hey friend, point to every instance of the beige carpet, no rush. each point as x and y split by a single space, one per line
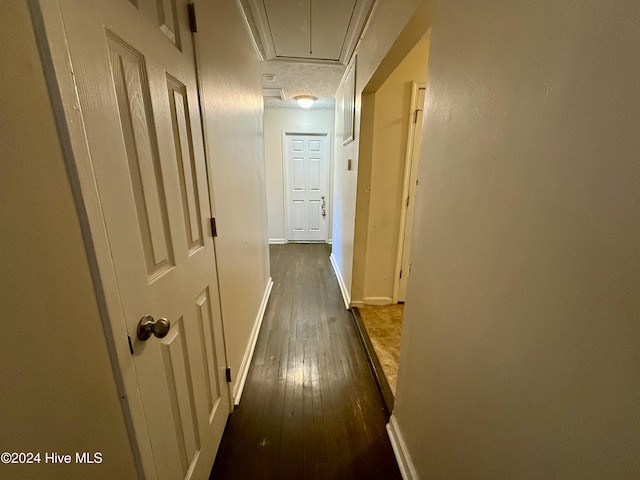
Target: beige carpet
384 325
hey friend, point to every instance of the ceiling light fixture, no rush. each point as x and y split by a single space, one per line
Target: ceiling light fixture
305 101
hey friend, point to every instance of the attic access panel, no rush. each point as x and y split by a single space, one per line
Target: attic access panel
307 30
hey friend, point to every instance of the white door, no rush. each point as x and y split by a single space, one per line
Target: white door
136 86
306 165
413 155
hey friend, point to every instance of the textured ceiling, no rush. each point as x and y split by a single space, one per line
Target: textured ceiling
294 78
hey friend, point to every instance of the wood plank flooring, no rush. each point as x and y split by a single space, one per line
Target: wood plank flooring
310 407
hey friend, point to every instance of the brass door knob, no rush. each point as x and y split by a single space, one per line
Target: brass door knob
147 326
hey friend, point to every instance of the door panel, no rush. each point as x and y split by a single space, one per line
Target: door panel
298 174
306 174
186 162
298 216
168 20
314 146
208 338
315 174
165 15
314 216
138 133
175 359
138 97
297 146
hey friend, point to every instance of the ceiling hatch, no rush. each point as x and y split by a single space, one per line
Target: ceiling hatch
307 30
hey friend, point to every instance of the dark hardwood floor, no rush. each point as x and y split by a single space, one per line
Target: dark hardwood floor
310 407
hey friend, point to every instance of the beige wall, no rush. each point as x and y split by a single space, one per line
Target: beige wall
386 33
277 120
381 178
520 350
58 388
230 73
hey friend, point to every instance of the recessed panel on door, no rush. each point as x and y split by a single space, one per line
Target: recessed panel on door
186 162
175 359
314 215
168 20
298 215
207 337
315 174
297 146
138 131
298 174
314 146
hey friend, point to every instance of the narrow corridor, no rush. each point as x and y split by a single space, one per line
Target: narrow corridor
310 408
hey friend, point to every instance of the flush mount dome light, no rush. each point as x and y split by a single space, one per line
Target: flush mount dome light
305 101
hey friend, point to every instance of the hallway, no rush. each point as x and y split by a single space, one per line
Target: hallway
310 407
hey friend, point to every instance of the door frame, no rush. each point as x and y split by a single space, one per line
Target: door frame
408 179
327 172
56 61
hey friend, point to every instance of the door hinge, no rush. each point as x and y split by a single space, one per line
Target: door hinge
192 18
228 372
407 201
214 228
400 273
130 344
415 115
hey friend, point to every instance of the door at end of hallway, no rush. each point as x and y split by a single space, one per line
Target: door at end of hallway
306 164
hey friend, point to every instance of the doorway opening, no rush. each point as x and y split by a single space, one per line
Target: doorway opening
390 145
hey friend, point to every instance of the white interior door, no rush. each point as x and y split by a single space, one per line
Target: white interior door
136 86
306 174
411 175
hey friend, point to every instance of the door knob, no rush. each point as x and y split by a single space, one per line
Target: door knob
147 326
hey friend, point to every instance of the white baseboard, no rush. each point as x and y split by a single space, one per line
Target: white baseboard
357 303
407 468
377 300
248 354
277 241
330 241
343 287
